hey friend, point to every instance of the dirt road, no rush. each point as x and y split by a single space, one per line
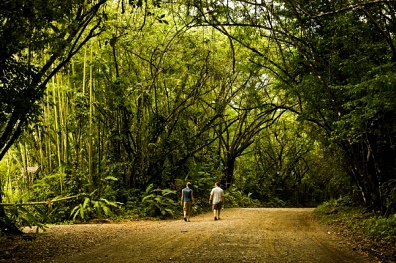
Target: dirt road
242 235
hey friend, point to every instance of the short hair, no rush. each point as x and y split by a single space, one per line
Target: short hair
217 183
189 184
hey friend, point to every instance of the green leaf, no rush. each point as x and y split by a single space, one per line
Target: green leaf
73 212
82 212
106 209
112 178
109 202
41 212
148 197
86 202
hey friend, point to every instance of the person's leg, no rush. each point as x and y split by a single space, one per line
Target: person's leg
218 213
215 211
219 207
185 211
189 210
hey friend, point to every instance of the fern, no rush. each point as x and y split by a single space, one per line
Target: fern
158 202
90 208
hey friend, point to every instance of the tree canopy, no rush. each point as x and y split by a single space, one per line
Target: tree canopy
287 103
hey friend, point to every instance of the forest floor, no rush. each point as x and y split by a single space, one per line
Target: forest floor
242 235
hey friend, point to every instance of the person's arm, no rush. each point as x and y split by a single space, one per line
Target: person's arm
182 198
210 198
192 196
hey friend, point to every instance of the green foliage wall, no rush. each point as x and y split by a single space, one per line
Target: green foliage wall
332 62
160 98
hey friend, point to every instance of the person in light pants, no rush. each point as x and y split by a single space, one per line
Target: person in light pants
217 200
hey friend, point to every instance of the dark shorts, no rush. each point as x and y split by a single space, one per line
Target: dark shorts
218 206
187 206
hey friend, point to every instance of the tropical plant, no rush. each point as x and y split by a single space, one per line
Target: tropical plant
158 202
91 208
237 198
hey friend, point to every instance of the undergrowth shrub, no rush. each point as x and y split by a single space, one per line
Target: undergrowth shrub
158 203
237 198
91 208
17 217
389 195
275 202
380 228
343 213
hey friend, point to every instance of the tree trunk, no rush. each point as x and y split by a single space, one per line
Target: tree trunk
6 226
365 175
229 171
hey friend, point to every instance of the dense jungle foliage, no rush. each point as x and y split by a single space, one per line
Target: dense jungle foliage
107 108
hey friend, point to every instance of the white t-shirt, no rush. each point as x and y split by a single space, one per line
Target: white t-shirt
217 195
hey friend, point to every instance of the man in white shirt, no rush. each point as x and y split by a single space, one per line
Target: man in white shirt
217 200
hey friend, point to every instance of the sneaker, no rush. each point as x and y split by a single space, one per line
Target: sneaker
185 219
215 218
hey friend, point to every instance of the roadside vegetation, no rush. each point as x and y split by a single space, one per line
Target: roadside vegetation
369 231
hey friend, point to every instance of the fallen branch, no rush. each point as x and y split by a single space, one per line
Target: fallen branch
47 203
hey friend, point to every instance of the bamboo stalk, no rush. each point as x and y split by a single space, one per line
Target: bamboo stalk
10 184
39 140
48 123
61 117
57 130
66 129
81 142
56 121
84 69
90 150
76 137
